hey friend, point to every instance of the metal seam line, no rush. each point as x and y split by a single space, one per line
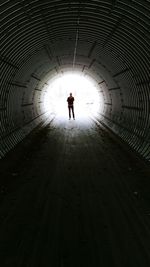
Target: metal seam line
76 43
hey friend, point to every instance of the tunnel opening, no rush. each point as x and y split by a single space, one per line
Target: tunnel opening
88 99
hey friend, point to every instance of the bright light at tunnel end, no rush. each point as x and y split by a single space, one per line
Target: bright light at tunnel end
87 102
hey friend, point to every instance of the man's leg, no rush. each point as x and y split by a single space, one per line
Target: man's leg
69 108
73 112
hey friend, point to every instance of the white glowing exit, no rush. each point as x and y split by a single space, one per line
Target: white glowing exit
87 99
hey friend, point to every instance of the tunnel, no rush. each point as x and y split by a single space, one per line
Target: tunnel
106 42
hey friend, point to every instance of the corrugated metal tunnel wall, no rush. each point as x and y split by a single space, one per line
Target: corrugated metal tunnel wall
112 38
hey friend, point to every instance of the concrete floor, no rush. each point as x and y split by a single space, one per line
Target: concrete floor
72 195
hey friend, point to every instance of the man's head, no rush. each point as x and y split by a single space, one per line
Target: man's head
70 94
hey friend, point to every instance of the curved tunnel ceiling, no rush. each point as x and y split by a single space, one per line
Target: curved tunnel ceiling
108 40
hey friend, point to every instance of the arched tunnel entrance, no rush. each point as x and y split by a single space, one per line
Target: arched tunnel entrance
75 192
86 92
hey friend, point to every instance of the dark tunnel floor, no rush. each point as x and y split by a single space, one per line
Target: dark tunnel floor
71 195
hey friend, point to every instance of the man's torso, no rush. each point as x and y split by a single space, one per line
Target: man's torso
70 100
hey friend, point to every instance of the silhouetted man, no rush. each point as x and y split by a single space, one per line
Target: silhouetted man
70 101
